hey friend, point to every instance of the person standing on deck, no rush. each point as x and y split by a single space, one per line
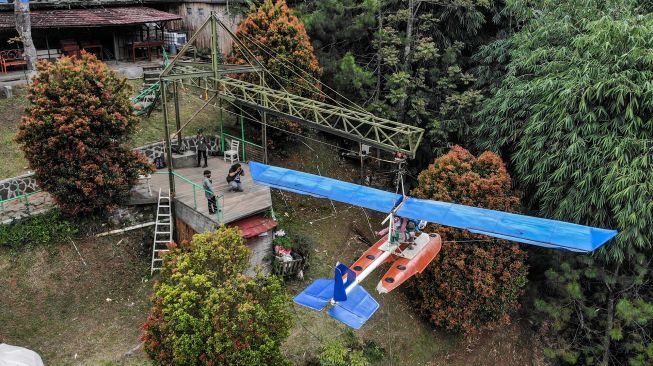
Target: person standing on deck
202 146
209 193
233 178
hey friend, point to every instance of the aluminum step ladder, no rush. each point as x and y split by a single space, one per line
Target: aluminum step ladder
162 231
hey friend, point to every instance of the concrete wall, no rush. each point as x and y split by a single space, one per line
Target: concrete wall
189 222
261 247
195 220
194 14
16 186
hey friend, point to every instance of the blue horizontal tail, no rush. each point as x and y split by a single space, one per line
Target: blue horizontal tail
317 295
358 309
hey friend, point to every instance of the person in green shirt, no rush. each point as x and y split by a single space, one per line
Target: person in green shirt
209 193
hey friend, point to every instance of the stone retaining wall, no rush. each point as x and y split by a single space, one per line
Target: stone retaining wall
16 186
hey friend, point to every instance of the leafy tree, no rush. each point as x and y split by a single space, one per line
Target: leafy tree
74 135
342 33
406 60
573 112
278 40
206 312
470 285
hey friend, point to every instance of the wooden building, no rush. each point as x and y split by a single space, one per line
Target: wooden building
116 29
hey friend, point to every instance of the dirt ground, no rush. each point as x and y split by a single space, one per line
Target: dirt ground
74 311
90 311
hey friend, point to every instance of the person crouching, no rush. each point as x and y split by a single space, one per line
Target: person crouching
233 178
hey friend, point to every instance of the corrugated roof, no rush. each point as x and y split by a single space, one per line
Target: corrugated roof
94 17
254 225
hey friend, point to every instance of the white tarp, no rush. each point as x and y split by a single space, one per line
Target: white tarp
18 356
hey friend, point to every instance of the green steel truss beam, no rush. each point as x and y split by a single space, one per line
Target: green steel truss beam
364 127
185 70
351 124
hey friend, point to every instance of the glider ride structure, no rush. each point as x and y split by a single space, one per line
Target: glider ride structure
350 303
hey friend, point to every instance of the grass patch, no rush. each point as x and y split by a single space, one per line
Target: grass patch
72 313
13 162
151 128
403 337
43 229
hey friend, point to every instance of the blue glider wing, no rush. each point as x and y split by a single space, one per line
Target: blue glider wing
520 228
317 186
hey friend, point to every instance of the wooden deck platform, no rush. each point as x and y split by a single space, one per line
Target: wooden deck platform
234 205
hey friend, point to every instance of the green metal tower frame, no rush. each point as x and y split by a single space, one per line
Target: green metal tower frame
213 78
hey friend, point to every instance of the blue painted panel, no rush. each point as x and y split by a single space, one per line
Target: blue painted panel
359 308
317 186
520 228
317 295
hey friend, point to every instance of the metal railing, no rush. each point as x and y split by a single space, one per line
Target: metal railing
198 188
24 197
243 144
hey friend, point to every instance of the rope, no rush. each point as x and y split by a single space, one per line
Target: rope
284 61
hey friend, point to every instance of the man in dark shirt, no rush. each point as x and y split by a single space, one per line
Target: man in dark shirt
233 178
202 146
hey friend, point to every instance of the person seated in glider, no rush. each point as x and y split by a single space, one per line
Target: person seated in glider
405 230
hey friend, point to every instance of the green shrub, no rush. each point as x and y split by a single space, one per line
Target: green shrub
283 241
348 351
46 228
206 312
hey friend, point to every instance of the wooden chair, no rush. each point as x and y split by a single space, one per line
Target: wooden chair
10 58
232 154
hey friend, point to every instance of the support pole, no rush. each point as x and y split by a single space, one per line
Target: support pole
175 91
221 125
242 133
360 154
47 44
214 46
264 134
168 147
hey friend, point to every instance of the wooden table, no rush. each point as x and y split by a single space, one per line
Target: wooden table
87 46
146 45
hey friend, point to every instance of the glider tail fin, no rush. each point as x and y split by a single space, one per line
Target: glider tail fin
340 286
353 307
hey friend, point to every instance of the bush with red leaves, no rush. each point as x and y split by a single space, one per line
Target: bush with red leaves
74 135
470 285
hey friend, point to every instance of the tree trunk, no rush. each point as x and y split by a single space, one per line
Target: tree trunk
407 50
24 29
409 33
377 95
609 322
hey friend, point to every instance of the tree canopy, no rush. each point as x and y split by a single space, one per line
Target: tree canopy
572 109
75 132
207 312
474 283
